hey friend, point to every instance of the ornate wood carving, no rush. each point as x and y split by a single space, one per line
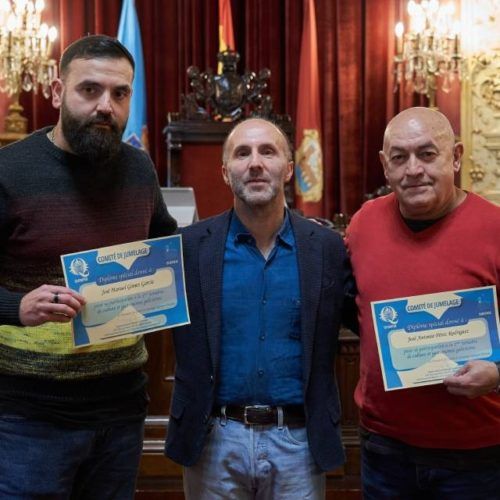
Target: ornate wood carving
224 97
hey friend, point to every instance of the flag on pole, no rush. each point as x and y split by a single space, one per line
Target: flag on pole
308 155
226 34
129 34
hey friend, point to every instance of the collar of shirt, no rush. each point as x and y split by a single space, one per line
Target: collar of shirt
240 234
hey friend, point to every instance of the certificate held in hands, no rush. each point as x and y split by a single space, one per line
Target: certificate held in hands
130 289
423 339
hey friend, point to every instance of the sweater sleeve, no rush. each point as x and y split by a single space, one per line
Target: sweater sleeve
9 307
349 310
9 301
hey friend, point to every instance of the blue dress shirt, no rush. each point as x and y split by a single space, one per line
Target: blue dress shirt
261 350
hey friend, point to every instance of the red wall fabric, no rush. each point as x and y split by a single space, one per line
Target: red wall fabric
355 48
201 169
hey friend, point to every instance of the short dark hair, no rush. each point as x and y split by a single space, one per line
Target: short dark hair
94 47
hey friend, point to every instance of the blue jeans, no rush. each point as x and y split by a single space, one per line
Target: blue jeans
394 476
260 462
42 460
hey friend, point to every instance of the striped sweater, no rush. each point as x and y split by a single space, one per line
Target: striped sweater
53 203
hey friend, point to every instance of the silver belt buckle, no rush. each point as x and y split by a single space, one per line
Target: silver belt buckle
253 407
245 421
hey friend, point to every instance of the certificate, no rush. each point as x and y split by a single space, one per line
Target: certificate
423 339
130 289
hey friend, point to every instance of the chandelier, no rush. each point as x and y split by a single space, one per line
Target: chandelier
25 54
428 50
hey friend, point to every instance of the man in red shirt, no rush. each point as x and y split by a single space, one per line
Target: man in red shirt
427 236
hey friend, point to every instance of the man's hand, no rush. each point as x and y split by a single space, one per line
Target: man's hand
476 378
49 303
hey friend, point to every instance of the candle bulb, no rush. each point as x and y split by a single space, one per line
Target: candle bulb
51 35
456 40
11 25
399 30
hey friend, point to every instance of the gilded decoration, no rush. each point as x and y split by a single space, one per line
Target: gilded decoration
480 106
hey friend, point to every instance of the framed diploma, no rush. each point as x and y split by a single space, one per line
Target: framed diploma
130 289
423 339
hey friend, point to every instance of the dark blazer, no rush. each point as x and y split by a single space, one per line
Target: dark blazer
324 273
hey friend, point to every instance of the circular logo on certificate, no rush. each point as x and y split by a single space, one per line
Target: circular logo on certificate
79 267
389 315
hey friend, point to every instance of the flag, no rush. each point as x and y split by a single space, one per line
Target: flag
226 34
129 34
308 154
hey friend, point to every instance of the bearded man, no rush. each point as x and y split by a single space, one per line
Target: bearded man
71 420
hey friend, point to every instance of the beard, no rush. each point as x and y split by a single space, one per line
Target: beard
95 144
251 196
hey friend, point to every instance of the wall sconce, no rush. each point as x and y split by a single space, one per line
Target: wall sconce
25 61
429 49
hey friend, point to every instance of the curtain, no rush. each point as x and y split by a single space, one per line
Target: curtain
355 45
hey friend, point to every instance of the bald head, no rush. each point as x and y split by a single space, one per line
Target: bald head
418 119
420 160
256 165
257 122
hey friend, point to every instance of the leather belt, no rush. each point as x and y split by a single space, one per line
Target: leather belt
263 414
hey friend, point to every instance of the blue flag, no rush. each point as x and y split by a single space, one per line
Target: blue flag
129 34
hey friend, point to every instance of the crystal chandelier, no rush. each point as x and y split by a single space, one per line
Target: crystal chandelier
25 55
429 49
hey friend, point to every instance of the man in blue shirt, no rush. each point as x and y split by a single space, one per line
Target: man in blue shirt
255 410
